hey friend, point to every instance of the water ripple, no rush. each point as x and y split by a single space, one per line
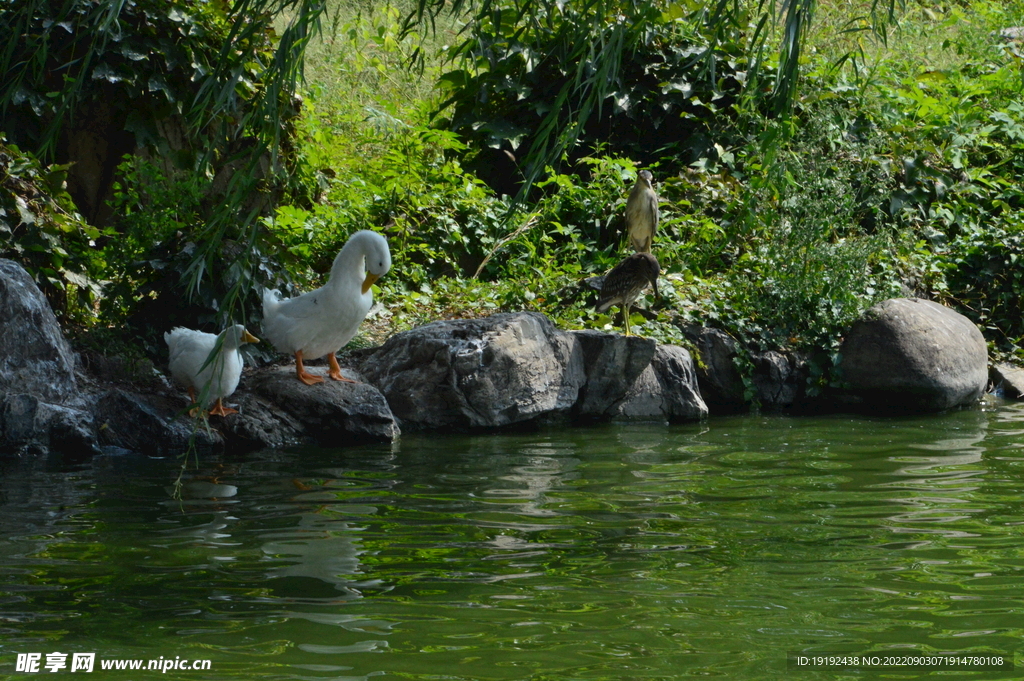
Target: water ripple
614 552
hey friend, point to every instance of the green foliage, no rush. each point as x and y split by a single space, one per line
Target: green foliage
647 84
40 229
576 227
956 145
984 273
201 85
559 67
143 57
702 229
154 213
363 62
400 180
159 222
813 264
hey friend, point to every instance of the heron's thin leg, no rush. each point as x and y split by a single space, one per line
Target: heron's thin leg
625 316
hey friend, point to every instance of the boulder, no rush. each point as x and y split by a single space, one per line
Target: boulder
780 379
1007 380
275 409
37 374
259 424
666 390
137 374
777 378
914 355
35 359
721 384
504 369
27 424
612 364
148 424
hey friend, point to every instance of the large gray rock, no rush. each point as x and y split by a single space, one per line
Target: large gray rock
779 379
474 373
27 424
149 424
612 364
34 357
721 384
914 354
1007 380
666 390
275 408
260 424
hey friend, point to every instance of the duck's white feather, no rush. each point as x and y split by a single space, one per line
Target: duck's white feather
324 320
189 350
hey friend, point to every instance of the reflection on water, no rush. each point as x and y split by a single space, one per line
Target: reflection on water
617 552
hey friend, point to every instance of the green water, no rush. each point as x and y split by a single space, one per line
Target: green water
615 552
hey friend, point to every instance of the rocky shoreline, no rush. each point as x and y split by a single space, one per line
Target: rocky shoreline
507 370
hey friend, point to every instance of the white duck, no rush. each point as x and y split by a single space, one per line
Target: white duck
189 353
321 322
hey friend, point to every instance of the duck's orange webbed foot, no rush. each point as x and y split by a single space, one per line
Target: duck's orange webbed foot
335 371
193 410
305 376
220 410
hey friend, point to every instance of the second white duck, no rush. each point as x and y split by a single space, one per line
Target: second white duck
322 321
194 365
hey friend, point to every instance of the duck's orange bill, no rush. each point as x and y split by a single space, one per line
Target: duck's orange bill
249 338
368 282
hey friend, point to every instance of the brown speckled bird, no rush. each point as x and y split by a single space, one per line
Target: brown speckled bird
642 213
624 283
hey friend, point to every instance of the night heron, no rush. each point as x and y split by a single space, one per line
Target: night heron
626 281
642 213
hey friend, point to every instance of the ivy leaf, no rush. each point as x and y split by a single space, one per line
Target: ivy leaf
26 215
131 53
159 83
107 72
83 282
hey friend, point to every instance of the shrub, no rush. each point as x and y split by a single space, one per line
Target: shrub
640 83
41 229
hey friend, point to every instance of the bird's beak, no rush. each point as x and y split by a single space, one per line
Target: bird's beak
655 287
249 338
368 282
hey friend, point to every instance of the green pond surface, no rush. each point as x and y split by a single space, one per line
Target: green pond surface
720 549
